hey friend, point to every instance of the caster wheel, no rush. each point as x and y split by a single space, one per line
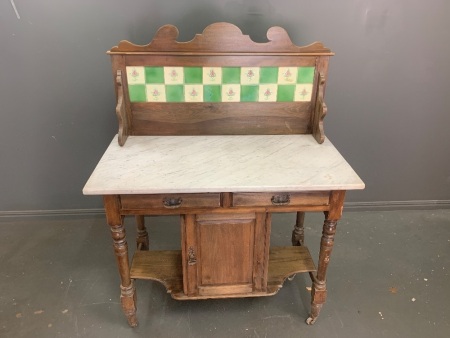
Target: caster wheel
310 321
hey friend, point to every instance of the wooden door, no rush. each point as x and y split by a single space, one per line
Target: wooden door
225 254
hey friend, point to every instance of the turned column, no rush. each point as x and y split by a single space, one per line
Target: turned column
127 290
319 287
298 234
142 235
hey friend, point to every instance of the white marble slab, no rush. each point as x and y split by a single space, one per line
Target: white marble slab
191 164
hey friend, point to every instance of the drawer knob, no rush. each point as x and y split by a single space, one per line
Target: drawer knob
283 199
172 203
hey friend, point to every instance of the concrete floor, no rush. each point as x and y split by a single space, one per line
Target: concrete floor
388 277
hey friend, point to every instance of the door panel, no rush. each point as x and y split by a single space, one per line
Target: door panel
225 254
226 251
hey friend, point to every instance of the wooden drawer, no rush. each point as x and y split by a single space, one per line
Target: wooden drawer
280 199
170 201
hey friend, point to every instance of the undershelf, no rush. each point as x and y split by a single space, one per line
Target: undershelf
166 268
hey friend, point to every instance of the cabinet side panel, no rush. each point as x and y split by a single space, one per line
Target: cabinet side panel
189 249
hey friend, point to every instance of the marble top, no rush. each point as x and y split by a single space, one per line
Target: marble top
230 163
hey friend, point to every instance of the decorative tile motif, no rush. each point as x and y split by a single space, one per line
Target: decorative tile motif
287 75
212 75
220 84
173 75
250 75
155 93
303 92
193 93
268 93
136 75
231 93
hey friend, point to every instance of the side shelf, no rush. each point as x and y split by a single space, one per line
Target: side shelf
166 268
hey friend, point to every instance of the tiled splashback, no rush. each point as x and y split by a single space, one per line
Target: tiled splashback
220 84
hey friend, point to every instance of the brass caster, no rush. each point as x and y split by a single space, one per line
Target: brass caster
310 321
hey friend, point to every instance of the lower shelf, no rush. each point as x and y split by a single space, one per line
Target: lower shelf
166 268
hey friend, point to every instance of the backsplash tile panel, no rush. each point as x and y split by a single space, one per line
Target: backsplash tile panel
220 84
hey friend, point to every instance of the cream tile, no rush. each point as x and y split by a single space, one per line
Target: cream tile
156 93
212 75
173 75
249 75
135 75
303 92
231 93
193 93
268 93
287 75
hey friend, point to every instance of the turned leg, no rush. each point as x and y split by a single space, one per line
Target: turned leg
298 234
127 290
142 235
319 287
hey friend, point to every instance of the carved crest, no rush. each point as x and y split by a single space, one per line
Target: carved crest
220 37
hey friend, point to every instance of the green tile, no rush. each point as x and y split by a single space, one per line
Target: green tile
249 93
174 93
154 74
285 93
193 75
268 75
137 93
212 93
231 75
305 75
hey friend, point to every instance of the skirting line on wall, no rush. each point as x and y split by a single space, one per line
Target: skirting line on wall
60 212
397 205
349 206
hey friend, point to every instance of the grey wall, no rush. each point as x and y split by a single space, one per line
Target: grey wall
387 94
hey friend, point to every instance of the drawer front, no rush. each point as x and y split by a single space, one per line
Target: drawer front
170 201
280 199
